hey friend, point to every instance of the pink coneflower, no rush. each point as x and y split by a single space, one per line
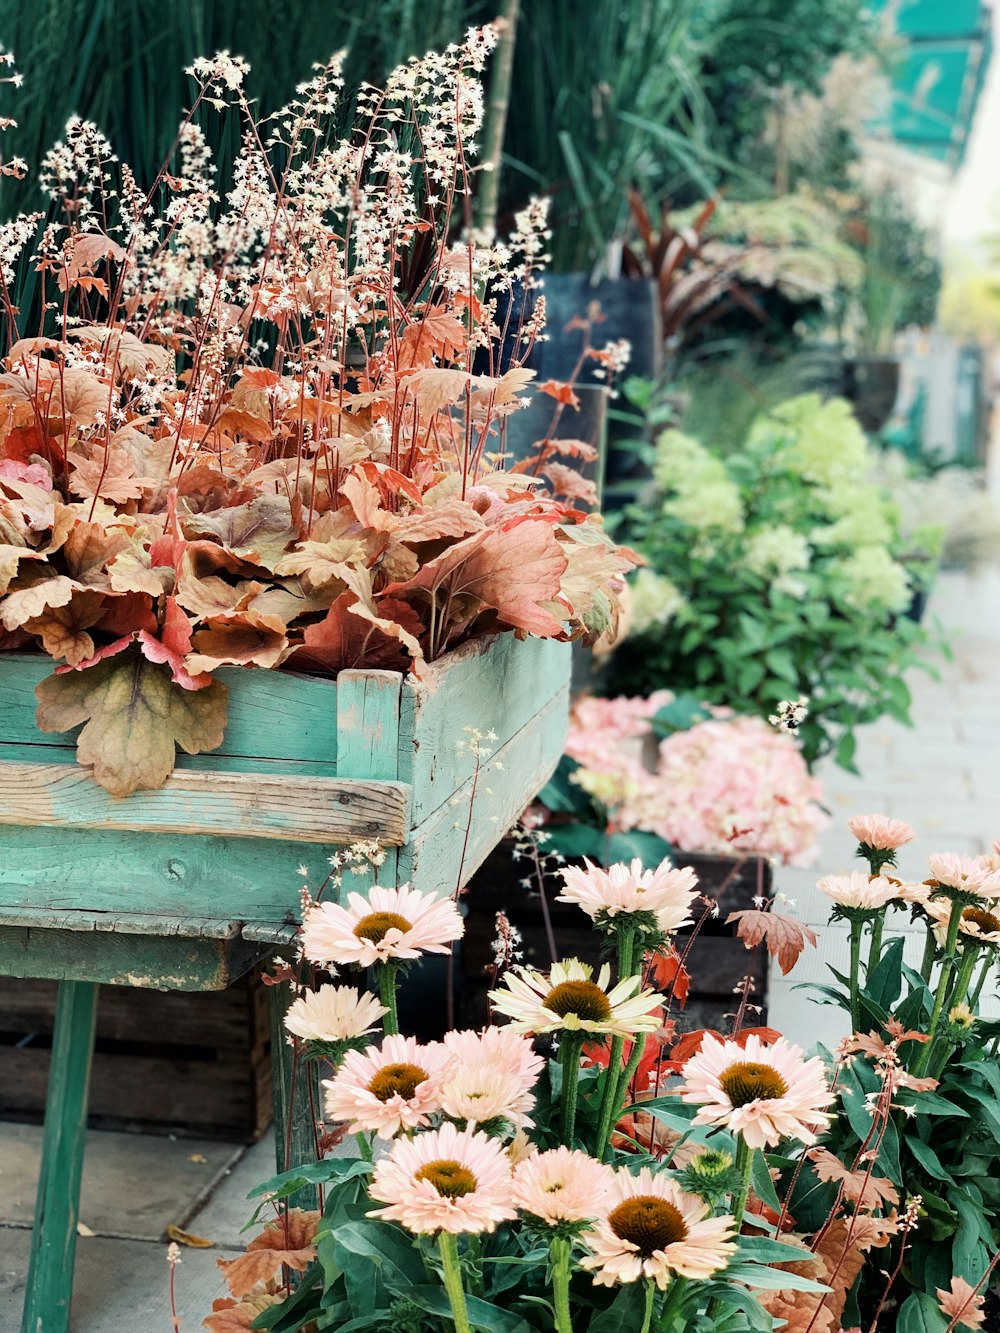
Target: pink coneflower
567 998
387 925
388 1088
880 833
859 892
563 1185
333 1014
654 1230
976 923
972 875
765 1093
446 1180
494 1076
667 892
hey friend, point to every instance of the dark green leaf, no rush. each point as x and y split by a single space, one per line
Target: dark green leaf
919 1313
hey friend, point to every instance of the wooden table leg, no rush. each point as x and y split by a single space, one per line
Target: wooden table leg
297 1099
53 1246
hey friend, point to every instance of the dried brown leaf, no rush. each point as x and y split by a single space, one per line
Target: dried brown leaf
962 1303
62 629
285 1242
784 937
865 1191
109 473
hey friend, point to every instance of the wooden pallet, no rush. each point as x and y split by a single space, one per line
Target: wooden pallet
165 1062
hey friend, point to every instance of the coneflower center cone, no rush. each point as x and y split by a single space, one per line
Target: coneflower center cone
747 1081
648 1222
986 921
376 925
451 1179
582 998
392 1080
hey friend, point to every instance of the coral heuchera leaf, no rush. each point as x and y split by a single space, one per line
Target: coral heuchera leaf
134 718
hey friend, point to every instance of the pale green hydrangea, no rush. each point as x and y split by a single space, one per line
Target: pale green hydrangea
874 581
654 601
862 516
826 445
700 493
776 550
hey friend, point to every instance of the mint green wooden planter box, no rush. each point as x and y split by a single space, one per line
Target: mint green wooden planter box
186 888
308 765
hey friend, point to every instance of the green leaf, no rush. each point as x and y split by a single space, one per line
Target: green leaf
919 1313
763 1185
764 1250
927 1158
388 1248
772 1279
573 840
334 1171
846 749
483 1315
563 796
680 714
625 1311
650 848
886 981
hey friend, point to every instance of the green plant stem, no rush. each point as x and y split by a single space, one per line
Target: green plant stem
944 984
958 993
364 1147
610 1099
647 1318
875 950
977 990
744 1165
572 1043
452 1273
559 1252
857 926
386 976
927 962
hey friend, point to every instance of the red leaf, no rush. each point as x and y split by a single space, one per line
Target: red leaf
350 635
785 937
172 647
669 974
562 393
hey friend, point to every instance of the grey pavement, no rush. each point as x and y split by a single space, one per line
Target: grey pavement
943 777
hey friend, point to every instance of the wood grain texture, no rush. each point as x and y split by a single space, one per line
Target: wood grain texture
271 714
299 809
451 843
297 1099
492 685
368 704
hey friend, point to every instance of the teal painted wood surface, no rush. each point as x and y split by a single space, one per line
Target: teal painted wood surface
57 1209
277 714
368 707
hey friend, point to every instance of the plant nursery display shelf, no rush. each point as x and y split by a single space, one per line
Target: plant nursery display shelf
190 886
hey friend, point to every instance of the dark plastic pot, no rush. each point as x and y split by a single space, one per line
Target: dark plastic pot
871 384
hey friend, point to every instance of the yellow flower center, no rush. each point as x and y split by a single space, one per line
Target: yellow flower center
746 1081
649 1222
396 1080
376 925
986 921
450 1178
582 998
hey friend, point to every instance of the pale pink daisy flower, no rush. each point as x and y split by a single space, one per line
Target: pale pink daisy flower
333 1013
880 832
977 924
765 1093
445 1180
568 999
654 1230
859 891
385 925
965 874
494 1076
388 1088
667 891
563 1185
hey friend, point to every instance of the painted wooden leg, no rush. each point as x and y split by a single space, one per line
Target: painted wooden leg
297 1099
53 1246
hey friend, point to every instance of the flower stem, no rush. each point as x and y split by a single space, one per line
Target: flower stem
744 1166
452 1274
364 1146
856 928
610 1099
560 1252
572 1043
977 990
647 1318
927 962
875 949
386 975
944 984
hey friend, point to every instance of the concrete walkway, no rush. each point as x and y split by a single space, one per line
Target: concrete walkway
943 777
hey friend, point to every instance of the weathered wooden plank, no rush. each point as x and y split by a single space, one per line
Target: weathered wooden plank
297 1099
57 1206
125 960
23 753
368 705
496 685
451 843
301 809
164 878
272 714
